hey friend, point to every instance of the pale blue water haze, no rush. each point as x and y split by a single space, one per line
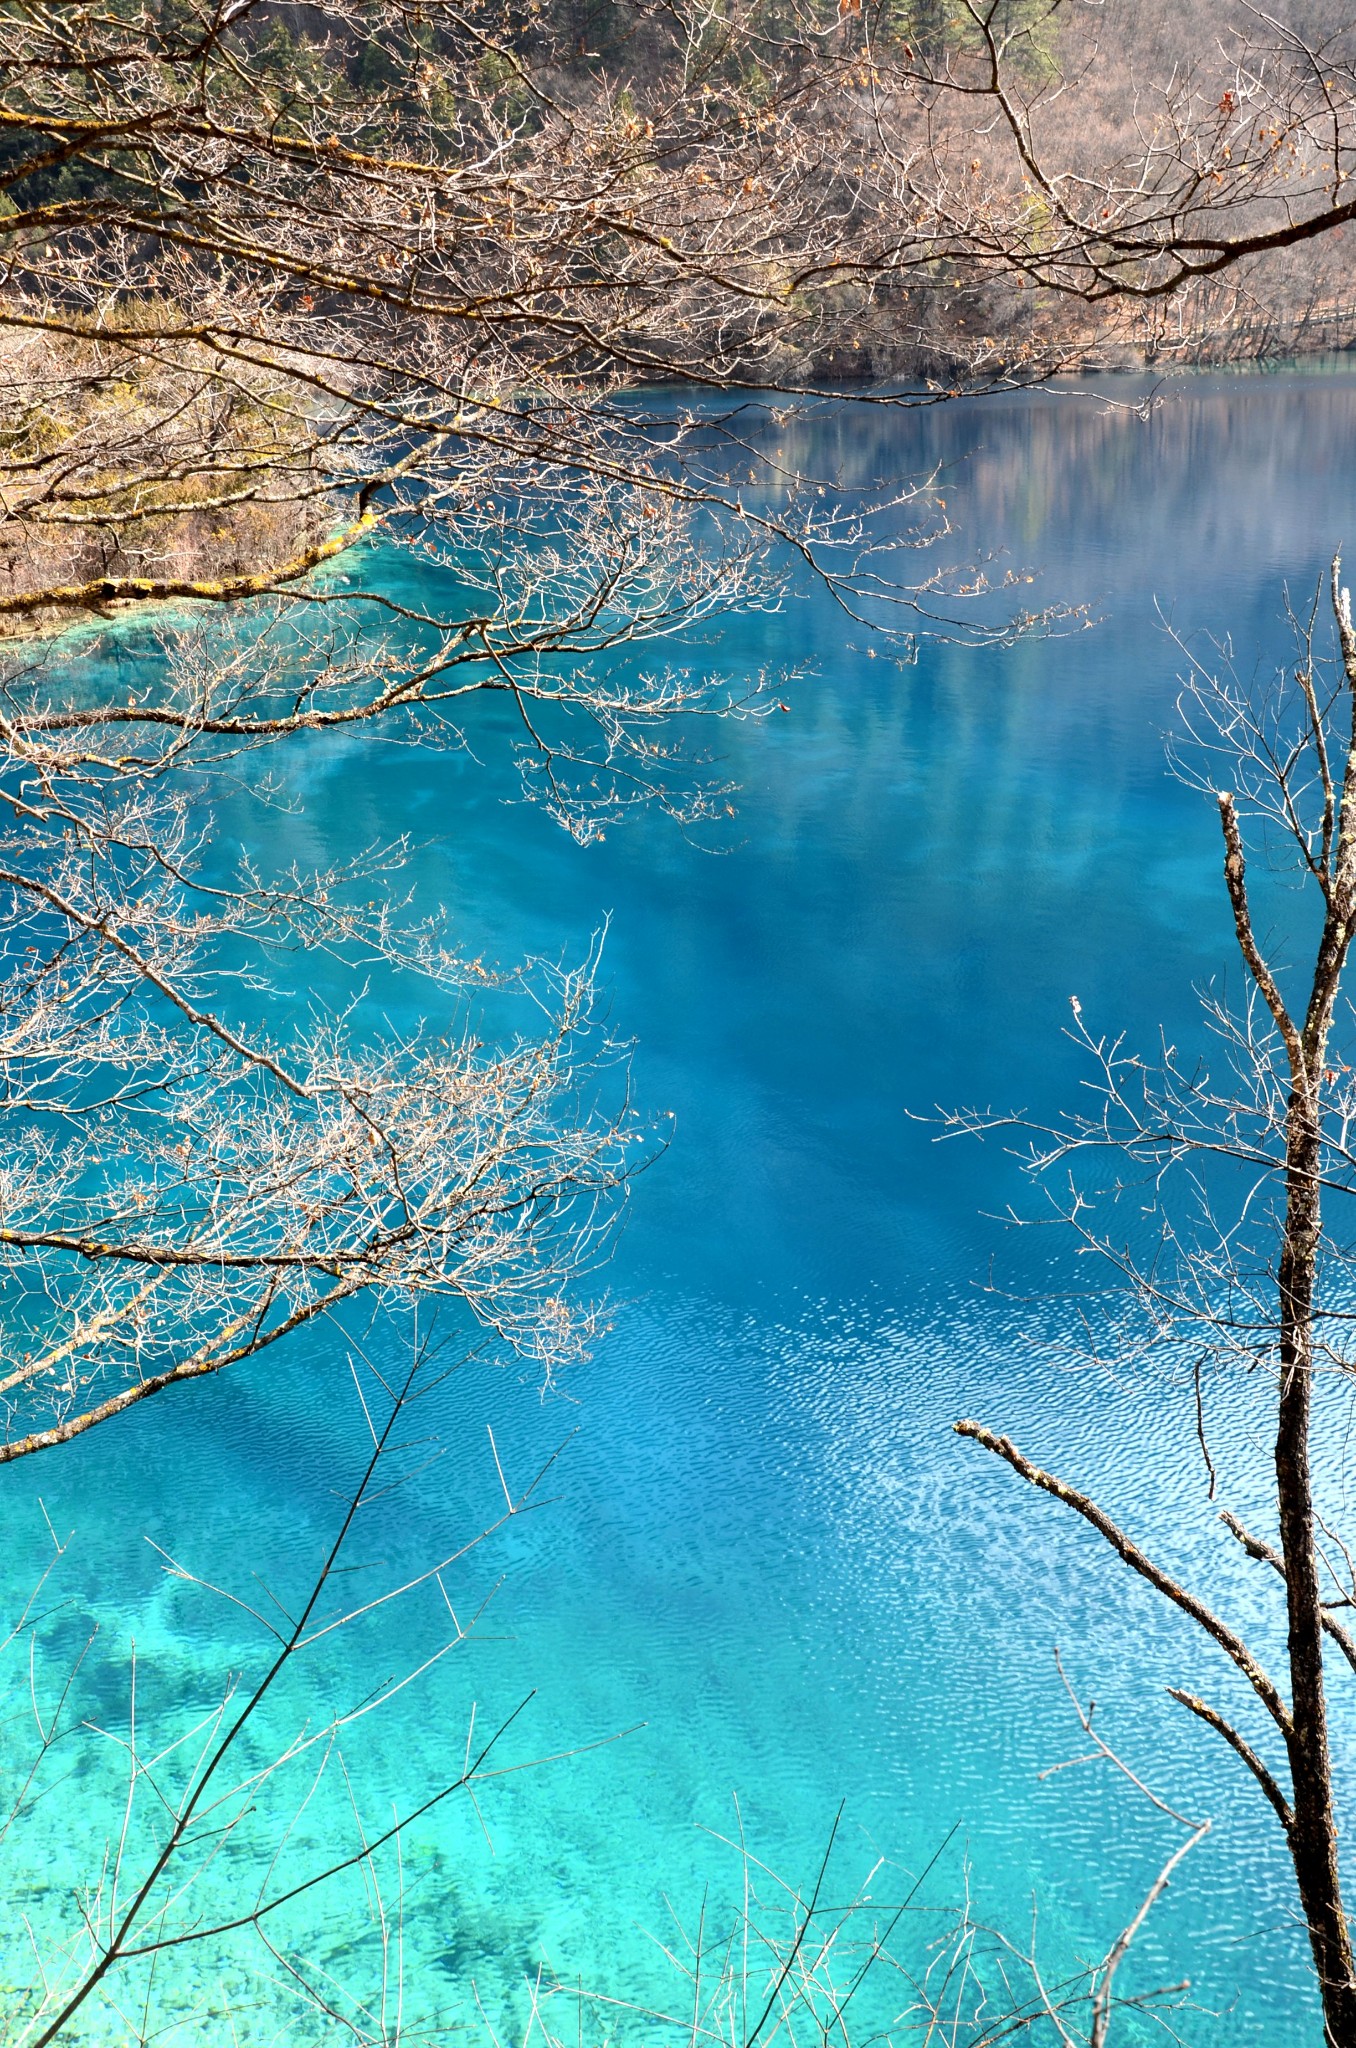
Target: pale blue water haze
769 1548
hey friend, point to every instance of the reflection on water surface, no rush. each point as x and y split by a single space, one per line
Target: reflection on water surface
769 1548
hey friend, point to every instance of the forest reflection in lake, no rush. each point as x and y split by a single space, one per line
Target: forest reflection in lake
770 1549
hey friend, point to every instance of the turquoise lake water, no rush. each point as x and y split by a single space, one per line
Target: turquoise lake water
766 1545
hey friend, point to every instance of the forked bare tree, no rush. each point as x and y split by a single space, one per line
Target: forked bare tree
1264 1283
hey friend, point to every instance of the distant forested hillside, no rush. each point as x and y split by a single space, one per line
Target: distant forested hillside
1122 96
225 231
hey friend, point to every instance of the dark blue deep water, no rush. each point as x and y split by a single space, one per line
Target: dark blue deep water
767 1545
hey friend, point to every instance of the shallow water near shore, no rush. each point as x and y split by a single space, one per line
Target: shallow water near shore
767 1555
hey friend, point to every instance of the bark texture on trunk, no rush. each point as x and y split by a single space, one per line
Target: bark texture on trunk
1313 1827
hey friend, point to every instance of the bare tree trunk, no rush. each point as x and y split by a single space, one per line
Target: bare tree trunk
1313 1825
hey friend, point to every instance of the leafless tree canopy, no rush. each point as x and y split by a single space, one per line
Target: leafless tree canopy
284 284
287 288
266 266
281 285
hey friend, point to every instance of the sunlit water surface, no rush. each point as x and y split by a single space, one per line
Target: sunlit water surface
766 1545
